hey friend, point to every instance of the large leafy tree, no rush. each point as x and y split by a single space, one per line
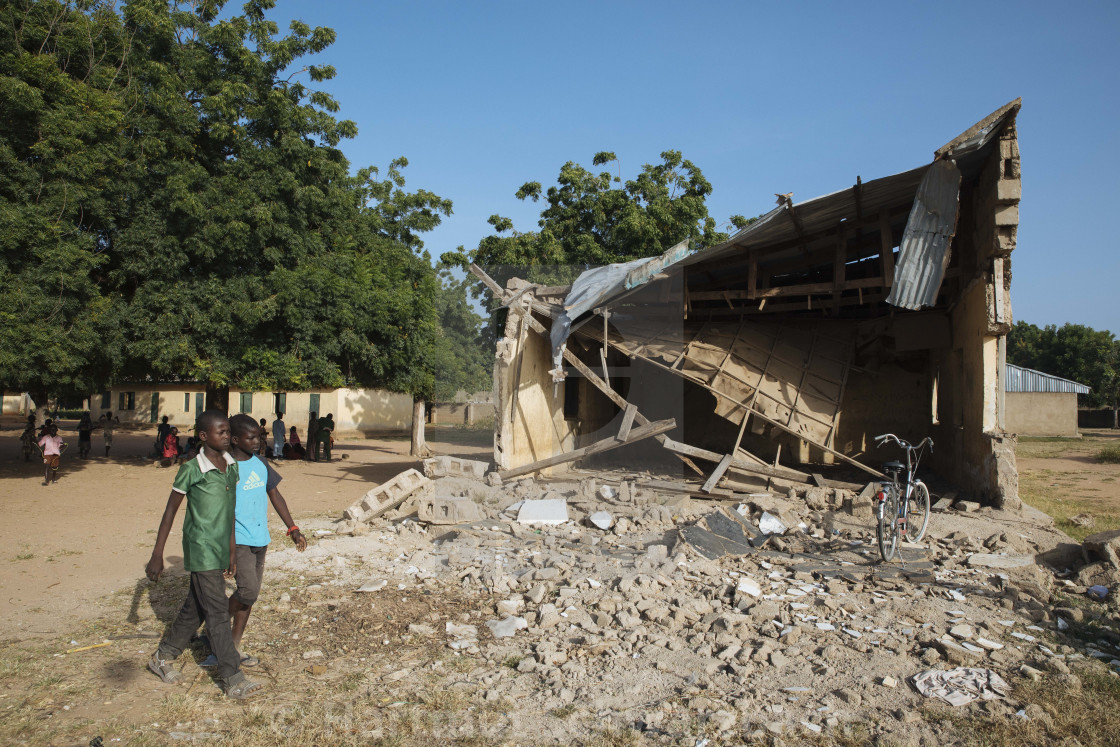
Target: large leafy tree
592 219
464 351
233 245
1072 351
63 189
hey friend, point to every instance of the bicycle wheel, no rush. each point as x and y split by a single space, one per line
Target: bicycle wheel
917 514
887 528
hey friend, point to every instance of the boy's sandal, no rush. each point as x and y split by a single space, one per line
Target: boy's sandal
240 687
162 668
249 661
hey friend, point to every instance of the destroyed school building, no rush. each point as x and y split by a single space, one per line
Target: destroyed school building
773 359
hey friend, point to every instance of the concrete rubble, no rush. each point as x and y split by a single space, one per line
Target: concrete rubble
683 612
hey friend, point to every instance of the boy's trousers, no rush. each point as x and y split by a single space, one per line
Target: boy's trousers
206 602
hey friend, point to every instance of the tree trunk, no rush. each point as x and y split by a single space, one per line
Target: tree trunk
1116 417
419 445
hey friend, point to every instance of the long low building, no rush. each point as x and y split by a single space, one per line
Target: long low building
1038 404
366 410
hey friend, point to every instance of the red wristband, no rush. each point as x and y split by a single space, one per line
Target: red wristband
292 529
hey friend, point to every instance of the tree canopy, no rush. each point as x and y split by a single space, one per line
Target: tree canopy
1072 351
593 219
177 207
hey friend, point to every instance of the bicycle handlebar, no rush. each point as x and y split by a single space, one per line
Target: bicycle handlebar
880 440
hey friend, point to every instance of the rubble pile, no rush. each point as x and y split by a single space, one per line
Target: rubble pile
621 610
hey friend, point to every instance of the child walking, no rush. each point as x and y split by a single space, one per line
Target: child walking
256 487
209 484
52 446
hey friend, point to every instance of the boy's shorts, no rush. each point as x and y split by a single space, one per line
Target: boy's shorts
250 571
51 460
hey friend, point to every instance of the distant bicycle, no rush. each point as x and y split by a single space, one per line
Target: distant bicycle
903 500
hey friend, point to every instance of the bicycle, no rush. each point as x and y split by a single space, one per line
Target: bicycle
902 513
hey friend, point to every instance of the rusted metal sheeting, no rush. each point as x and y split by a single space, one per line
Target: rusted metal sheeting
923 254
1019 379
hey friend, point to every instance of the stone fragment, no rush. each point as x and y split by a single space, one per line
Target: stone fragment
313 654
493 479
890 682
536 594
989 645
961 632
508 607
967 506
955 653
722 720
421 629
1102 546
371 586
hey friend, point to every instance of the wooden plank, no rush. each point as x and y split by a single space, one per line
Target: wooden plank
736 463
886 250
803 289
627 421
717 473
638 434
488 281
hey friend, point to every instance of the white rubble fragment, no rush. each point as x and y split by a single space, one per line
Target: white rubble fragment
601 519
606 492
545 511
770 524
372 586
749 586
890 682
990 645
507 627
825 626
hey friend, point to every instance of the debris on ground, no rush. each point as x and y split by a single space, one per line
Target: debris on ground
960 686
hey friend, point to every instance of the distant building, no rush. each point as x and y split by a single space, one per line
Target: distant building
1038 404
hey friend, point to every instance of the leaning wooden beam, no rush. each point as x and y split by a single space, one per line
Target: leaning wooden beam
638 434
627 421
488 281
717 473
737 463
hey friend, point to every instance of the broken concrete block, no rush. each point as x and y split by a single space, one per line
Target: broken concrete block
493 479
386 496
373 586
601 519
549 511
507 627
749 587
955 654
1102 546
967 506
448 510
890 682
987 560
606 492
449 466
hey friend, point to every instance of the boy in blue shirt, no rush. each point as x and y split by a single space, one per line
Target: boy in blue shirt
256 487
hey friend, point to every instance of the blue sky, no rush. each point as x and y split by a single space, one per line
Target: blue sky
763 97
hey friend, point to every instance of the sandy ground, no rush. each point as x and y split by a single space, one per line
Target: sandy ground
73 543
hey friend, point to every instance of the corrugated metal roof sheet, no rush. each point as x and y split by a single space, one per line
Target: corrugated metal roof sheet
924 251
1019 379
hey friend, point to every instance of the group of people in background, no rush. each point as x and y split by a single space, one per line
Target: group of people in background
286 443
168 446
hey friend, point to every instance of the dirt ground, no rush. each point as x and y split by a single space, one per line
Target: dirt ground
629 636
73 543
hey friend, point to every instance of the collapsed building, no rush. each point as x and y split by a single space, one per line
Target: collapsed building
776 356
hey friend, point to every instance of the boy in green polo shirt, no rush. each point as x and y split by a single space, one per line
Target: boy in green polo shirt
209 483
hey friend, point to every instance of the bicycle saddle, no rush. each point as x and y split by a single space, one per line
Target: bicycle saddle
893 466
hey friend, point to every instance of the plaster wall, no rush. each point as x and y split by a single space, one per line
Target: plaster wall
1042 413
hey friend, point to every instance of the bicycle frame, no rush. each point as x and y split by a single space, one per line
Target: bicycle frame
900 484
